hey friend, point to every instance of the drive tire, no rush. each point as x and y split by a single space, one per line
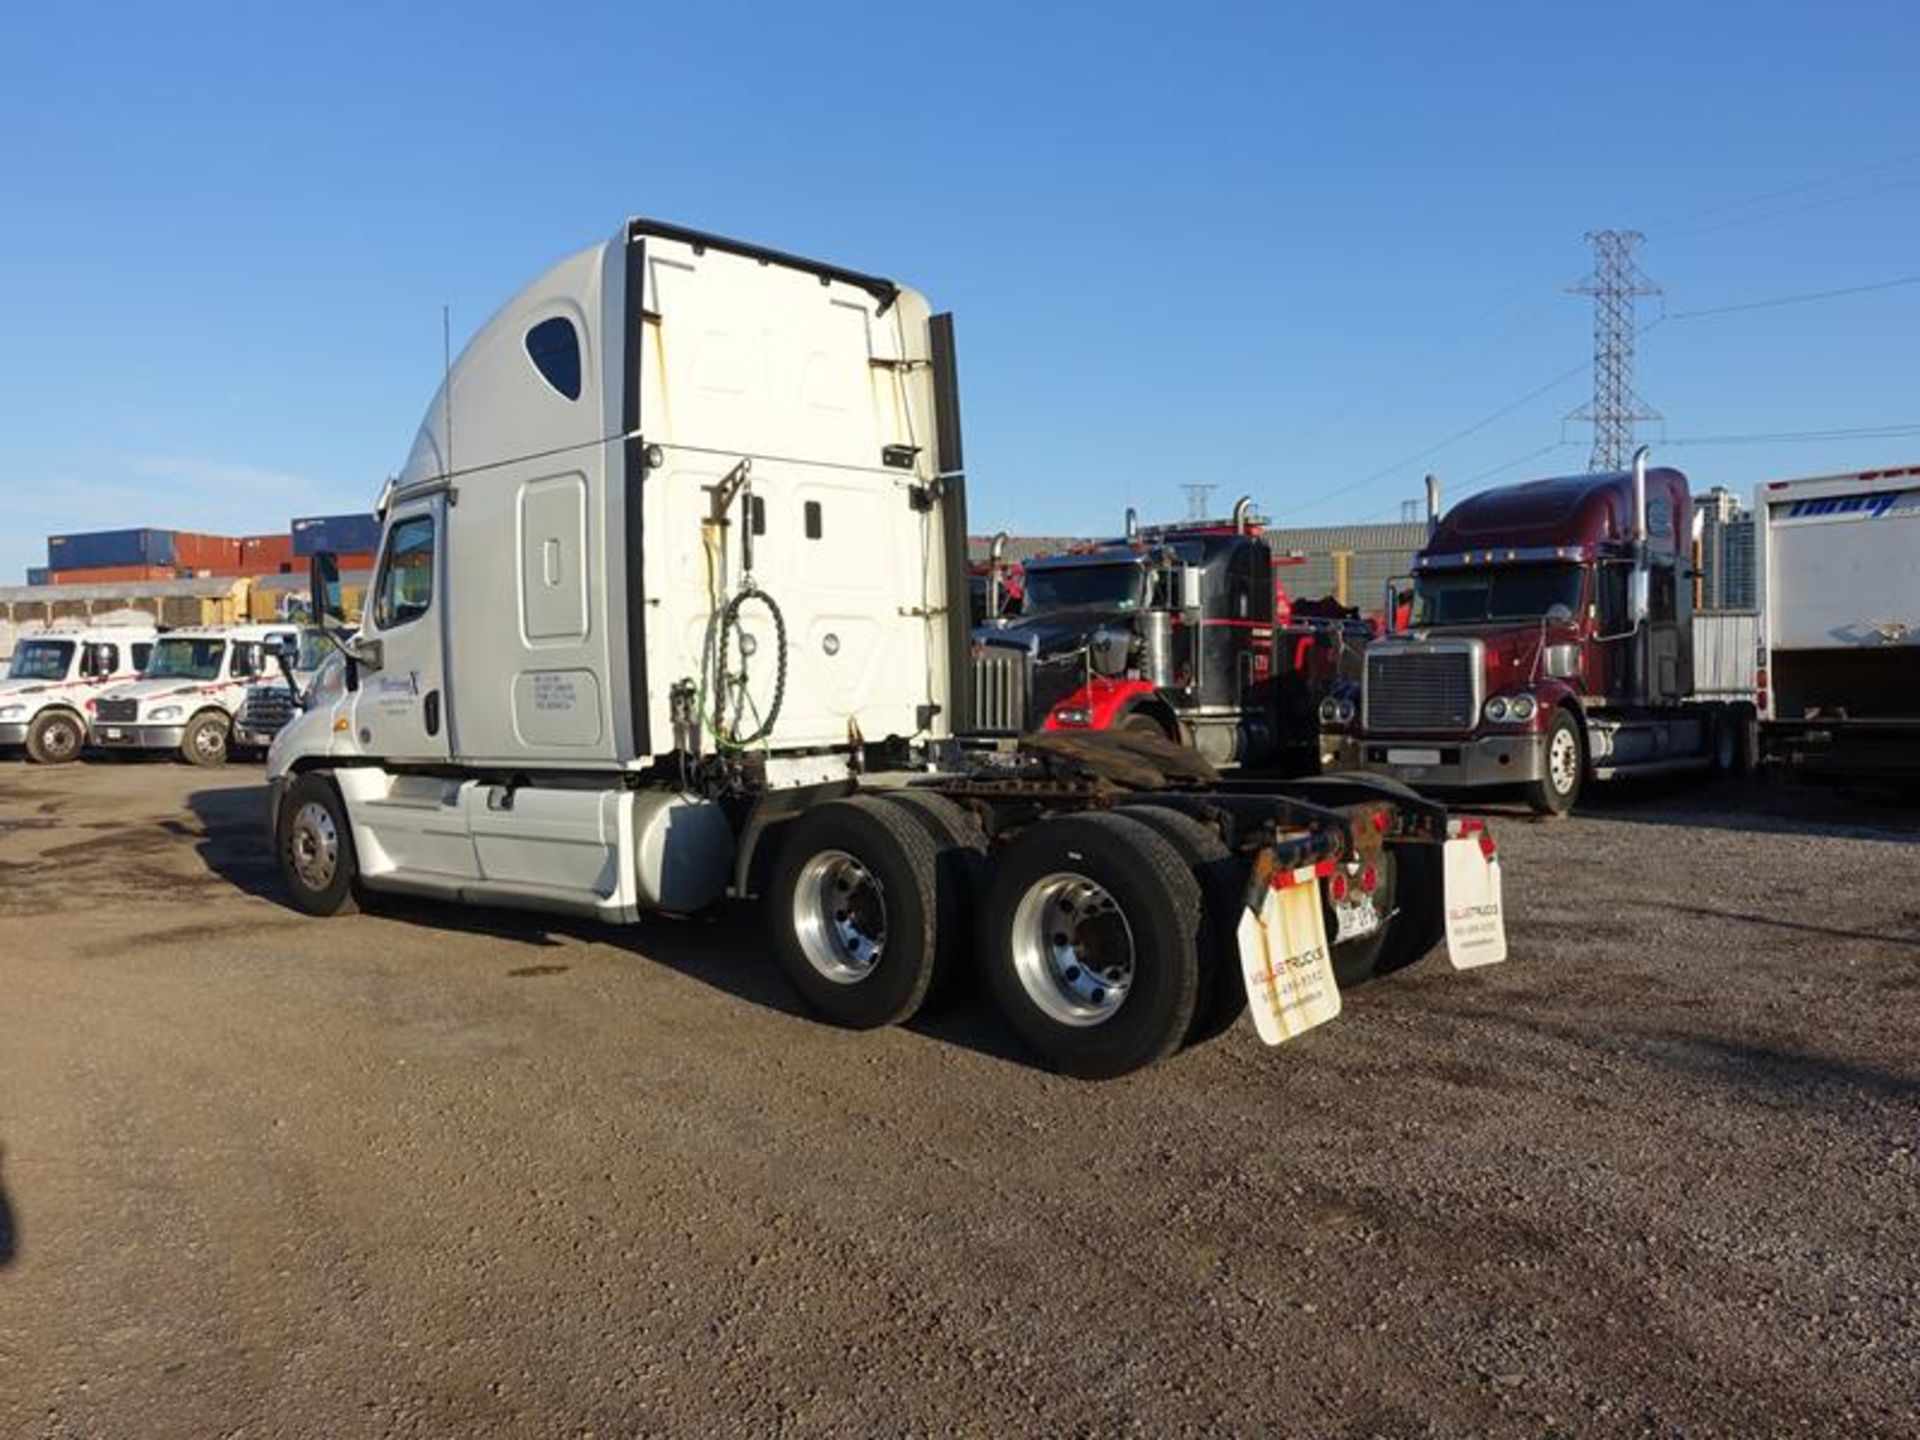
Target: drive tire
960 880
313 848
56 737
1221 994
1419 922
1134 902
853 911
204 741
1556 792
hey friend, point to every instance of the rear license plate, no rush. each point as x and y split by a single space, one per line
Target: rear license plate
1476 921
1413 757
1353 917
1283 955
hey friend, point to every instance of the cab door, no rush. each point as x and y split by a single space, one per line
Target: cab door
400 711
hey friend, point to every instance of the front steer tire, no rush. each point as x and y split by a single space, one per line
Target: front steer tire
56 737
313 847
204 742
1564 767
852 911
1090 944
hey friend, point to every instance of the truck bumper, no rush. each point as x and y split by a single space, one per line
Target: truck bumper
137 737
250 739
1480 764
13 734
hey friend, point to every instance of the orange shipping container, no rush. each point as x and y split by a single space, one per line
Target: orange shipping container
205 552
114 574
268 551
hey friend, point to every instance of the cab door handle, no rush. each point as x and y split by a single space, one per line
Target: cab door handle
433 712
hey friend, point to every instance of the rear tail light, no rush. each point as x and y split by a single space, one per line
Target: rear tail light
1337 887
1486 844
1369 880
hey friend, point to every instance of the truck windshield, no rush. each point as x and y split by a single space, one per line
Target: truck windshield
1502 592
183 659
41 660
1084 587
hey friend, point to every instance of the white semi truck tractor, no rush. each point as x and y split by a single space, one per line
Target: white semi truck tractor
49 689
672 608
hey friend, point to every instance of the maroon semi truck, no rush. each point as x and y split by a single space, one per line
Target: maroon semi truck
1550 643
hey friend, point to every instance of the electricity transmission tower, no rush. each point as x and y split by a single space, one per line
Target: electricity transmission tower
1199 498
1616 282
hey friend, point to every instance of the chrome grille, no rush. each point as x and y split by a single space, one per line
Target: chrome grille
1420 689
268 708
1001 687
117 712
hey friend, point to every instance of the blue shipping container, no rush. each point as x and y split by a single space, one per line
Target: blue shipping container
97 549
341 534
37 575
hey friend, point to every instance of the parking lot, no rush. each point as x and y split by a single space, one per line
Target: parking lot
433 1170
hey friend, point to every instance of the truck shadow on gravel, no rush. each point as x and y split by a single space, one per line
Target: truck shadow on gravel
1778 806
231 839
724 950
9 1228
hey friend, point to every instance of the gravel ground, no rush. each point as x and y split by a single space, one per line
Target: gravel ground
451 1172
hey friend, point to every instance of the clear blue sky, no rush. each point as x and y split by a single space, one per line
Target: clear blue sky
1275 248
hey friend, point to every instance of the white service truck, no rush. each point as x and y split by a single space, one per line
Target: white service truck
53 680
186 697
672 606
1837 584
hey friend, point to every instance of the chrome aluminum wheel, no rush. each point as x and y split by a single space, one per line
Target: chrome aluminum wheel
1073 950
840 917
313 845
1563 761
61 740
209 742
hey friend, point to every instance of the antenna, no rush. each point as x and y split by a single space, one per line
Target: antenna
446 382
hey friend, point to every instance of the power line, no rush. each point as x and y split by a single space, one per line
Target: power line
1801 299
1437 446
1782 192
1784 437
1823 203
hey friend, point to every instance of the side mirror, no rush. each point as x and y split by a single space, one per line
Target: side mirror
323 589
1192 587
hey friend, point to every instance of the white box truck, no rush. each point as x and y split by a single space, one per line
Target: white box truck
672 606
54 679
1837 580
186 697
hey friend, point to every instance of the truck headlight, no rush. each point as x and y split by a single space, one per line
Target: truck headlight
1072 717
1336 710
1496 710
12 712
165 712
1520 709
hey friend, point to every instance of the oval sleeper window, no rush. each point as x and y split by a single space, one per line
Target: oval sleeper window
554 346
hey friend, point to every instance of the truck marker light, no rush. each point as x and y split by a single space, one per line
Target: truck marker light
1337 887
340 725
1486 843
1369 880
1380 821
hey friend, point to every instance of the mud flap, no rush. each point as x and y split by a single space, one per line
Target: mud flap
1476 924
1284 956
